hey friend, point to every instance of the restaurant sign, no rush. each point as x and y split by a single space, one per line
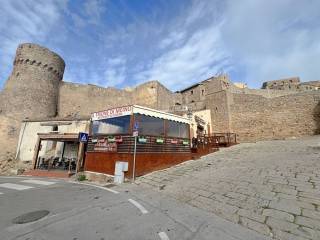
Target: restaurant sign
112 113
105 146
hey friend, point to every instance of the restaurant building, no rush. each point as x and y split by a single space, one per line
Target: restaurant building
159 139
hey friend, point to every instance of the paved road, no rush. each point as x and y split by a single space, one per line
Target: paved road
86 212
272 187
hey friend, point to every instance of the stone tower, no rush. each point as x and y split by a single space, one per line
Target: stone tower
33 87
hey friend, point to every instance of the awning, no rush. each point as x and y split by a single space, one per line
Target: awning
129 110
159 114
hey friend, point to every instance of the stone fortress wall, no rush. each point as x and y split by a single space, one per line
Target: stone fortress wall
76 100
35 90
33 87
31 91
256 114
291 84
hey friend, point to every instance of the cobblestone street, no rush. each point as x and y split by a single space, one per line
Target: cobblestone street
272 187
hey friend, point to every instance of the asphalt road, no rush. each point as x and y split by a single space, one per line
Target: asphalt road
82 212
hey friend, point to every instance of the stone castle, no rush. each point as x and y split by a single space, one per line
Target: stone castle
36 90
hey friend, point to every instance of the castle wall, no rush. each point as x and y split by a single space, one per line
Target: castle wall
282 84
267 93
194 94
77 100
255 118
32 88
30 91
9 132
166 99
146 94
218 103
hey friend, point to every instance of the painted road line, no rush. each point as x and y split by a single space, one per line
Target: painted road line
14 186
104 188
138 205
163 236
40 182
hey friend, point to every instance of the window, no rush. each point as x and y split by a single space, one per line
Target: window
117 125
177 129
150 125
55 128
202 92
191 92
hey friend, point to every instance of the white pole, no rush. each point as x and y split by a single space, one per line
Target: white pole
134 158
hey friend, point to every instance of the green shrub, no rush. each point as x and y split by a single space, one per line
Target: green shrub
82 178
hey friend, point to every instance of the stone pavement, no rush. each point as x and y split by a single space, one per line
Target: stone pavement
272 187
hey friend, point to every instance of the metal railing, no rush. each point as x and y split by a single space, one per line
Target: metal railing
225 139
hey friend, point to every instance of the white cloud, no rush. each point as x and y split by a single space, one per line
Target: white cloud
94 9
258 40
115 73
200 57
273 39
174 39
25 21
193 52
255 40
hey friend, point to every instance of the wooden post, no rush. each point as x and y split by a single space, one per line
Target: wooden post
36 152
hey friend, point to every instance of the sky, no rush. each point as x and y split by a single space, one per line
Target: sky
123 43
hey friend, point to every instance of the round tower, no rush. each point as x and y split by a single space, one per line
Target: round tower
32 89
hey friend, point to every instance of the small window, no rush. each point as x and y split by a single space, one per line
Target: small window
55 128
202 92
191 92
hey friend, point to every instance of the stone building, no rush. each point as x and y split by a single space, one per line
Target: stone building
35 90
291 84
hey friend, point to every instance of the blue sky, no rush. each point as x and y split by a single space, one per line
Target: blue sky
122 43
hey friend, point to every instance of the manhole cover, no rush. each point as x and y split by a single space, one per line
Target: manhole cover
30 217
